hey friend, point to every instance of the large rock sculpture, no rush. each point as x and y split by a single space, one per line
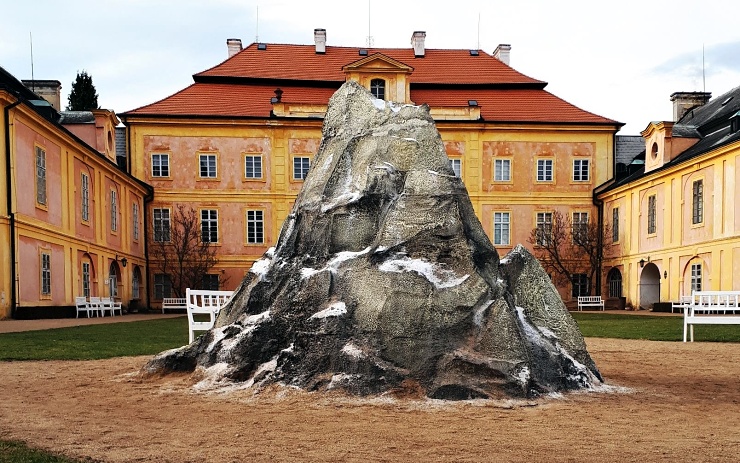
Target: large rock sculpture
383 280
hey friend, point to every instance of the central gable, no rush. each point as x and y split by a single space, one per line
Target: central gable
378 67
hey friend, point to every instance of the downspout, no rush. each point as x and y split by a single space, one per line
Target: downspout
11 214
600 242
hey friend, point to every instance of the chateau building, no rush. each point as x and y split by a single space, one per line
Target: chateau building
674 211
71 221
236 145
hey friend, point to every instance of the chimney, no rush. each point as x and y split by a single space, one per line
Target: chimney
319 38
502 53
234 46
683 102
417 42
50 90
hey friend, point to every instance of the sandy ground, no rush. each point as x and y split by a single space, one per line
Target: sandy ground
668 402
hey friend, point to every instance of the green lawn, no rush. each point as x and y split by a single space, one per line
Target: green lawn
95 342
652 328
15 452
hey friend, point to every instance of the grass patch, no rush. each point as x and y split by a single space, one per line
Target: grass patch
14 452
94 342
603 325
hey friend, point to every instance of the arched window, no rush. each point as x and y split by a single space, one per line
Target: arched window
377 88
113 280
614 278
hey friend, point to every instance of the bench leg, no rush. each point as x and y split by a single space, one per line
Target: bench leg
684 330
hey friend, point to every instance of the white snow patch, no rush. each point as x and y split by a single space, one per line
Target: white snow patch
353 351
478 316
412 139
440 277
265 367
334 310
523 376
337 380
261 266
379 104
547 332
345 256
348 197
289 349
438 174
259 318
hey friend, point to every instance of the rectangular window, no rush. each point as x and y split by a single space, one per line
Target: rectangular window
456 166
136 221
615 225
160 165
544 170
85 197
697 203
300 167
135 287
161 225
113 210
544 228
580 170
501 221
580 226
40 176
162 286
210 282
580 284
208 166
695 277
502 170
209 226
45 274
651 215
255 227
86 279
253 166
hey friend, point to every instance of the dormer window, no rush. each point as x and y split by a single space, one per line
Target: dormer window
735 122
654 151
377 88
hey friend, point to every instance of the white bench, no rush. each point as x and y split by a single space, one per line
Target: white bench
711 308
590 301
174 303
683 303
204 303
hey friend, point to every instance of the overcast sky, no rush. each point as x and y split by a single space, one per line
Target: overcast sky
621 60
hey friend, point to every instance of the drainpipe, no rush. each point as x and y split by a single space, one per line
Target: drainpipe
11 214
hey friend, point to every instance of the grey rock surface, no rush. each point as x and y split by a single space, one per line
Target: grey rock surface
383 279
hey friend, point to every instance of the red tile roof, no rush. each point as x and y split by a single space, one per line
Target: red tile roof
301 62
243 85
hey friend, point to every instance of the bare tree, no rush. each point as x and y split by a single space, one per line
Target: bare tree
567 250
177 248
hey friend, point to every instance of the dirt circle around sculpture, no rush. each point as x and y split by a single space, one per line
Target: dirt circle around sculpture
664 401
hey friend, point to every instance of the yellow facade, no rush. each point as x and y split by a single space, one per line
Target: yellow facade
46 240
678 224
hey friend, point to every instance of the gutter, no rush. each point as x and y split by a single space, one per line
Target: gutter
11 214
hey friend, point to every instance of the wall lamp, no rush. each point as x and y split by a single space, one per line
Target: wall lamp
124 261
665 274
643 261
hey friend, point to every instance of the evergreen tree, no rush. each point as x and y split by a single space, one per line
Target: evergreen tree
82 97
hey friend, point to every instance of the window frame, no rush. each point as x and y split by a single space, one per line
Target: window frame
581 177
615 224
162 286
542 226
41 180
579 226
458 161
113 211
544 170
209 285
161 166
86 281
208 166
378 87
253 156
304 170
259 226
501 227
579 285
696 276
135 218
45 273
164 235
84 197
503 161
652 222
209 226
697 202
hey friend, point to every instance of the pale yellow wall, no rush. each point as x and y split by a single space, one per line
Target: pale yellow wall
677 243
57 226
